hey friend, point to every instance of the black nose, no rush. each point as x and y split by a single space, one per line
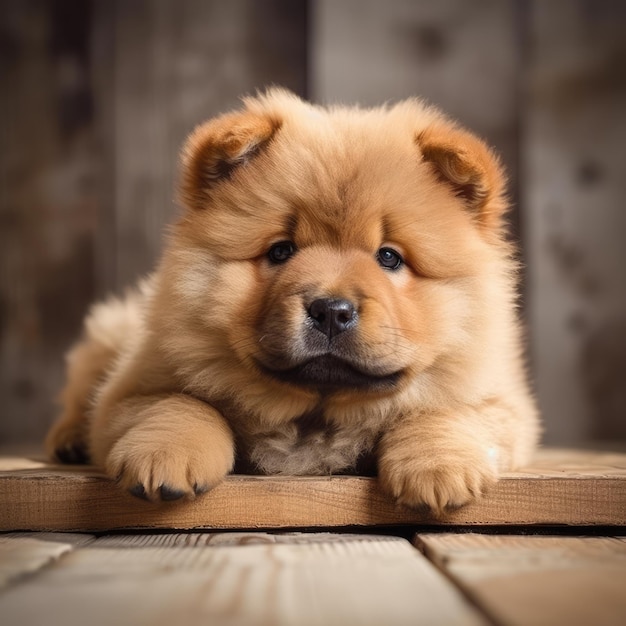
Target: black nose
332 316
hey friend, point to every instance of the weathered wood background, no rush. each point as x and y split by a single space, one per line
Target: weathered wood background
97 95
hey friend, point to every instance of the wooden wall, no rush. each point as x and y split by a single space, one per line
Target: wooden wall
96 97
573 206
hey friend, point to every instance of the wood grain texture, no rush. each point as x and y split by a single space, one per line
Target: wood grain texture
541 580
214 539
573 217
48 204
23 554
576 488
380 581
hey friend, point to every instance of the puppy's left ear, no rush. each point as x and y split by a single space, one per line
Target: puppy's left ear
217 148
464 163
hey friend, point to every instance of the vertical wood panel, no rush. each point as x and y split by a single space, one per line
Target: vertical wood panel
48 203
575 184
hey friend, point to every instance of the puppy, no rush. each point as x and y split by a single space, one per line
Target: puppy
338 295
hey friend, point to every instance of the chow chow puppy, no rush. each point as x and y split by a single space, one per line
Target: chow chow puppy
338 296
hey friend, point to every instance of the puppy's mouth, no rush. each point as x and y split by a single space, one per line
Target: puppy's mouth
329 373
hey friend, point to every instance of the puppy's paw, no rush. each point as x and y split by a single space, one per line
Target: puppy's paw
155 467
66 442
436 485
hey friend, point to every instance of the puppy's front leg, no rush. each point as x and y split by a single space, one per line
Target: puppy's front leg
163 447
440 462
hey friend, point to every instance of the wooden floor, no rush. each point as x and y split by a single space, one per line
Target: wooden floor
522 570
318 579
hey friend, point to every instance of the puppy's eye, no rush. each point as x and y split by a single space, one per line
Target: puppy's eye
281 251
389 259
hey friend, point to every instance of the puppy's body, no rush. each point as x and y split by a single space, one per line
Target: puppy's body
339 293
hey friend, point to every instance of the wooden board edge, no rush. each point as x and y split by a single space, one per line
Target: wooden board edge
93 503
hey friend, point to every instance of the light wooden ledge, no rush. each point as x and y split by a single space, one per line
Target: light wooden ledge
560 487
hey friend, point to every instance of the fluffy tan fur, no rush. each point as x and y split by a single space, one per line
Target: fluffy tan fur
195 371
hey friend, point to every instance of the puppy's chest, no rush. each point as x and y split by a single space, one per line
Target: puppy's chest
312 445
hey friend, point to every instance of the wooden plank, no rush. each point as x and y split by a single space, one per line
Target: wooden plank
577 488
381 581
22 554
520 580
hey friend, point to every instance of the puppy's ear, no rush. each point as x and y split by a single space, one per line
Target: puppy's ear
215 149
464 163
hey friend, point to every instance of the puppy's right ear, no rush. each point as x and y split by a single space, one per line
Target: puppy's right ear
215 149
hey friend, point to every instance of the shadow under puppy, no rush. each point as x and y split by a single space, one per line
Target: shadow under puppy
338 289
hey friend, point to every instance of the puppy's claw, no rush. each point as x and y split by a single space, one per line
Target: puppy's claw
139 491
74 454
423 509
170 493
451 507
200 489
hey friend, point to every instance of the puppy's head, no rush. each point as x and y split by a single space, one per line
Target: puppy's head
334 251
